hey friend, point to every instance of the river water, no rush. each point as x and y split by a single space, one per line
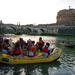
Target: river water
65 65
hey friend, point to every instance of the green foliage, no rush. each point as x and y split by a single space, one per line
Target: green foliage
29 25
58 34
1 30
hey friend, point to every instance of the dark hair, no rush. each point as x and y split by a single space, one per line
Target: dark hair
33 42
47 44
6 41
40 38
21 38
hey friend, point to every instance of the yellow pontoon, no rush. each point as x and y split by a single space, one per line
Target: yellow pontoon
7 59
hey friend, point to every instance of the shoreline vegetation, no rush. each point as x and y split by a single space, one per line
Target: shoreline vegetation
54 34
43 34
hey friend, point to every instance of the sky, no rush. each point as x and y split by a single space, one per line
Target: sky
32 11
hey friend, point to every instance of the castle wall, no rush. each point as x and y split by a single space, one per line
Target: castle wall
66 17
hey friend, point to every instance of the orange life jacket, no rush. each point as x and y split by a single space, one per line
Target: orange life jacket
31 48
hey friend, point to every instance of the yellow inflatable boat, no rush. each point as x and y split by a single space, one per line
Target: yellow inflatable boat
7 59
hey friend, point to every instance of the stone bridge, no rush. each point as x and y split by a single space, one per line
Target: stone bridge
39 29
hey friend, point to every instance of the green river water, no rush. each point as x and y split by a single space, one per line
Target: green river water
65 65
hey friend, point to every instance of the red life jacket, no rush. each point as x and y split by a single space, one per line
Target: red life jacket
18 51
45 49
40 44
41 41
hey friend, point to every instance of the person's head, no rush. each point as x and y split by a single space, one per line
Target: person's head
47 44
29 41
33 42
40 38
6 41
1 38
20 39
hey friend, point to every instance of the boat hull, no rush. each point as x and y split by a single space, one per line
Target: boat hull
67 45
28 60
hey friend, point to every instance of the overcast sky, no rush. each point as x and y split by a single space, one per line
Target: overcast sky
32 11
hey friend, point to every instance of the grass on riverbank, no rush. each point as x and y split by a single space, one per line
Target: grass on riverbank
59 34
49 34
53 34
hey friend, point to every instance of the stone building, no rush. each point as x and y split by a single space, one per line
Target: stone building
66 17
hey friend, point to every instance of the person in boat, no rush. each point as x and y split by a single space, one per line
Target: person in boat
40 44
21 43
23 46
68 42
46 50
28 41
31 49
11 43
1 44
5 47
24 50
63 41
19 47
